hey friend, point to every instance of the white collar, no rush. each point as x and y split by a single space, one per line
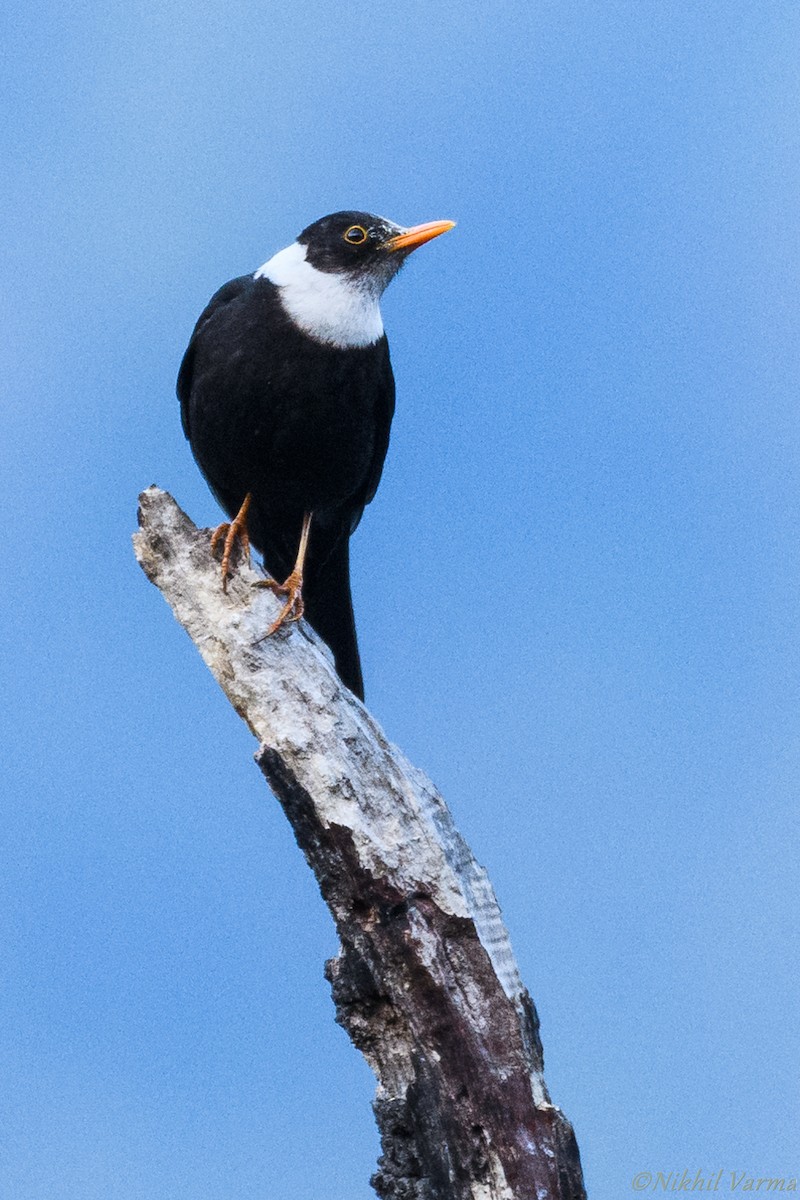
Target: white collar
335 309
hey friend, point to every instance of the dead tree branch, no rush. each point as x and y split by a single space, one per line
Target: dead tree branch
425 983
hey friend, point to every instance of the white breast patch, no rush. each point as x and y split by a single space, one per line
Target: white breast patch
334 309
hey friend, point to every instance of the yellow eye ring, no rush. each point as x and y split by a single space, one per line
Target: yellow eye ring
355 235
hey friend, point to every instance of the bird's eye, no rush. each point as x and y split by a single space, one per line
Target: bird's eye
355 235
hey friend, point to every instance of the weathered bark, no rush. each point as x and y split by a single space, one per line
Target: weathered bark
425 983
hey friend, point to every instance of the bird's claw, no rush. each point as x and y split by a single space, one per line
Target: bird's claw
231 532
293 609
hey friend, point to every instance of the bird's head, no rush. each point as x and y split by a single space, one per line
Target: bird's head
370 249
331 279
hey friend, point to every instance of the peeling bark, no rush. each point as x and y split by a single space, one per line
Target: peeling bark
425 984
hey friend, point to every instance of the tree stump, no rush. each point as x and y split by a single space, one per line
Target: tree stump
425 983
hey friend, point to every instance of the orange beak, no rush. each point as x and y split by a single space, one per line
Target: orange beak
409 239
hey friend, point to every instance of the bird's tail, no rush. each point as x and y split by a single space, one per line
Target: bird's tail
329 610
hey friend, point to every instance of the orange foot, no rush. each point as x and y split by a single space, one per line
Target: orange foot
237 529
293 608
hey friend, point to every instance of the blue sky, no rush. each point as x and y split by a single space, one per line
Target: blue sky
577 590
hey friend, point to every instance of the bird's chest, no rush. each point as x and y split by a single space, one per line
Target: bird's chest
320 428
300 423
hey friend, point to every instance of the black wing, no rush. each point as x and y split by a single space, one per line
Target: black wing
384 412
228 291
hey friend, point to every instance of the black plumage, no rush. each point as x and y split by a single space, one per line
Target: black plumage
299 418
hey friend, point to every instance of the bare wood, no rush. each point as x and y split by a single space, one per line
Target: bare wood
425 983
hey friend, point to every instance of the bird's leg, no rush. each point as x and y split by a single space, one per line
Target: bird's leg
292 587
236 529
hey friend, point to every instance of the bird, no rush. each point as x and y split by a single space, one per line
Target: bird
287 397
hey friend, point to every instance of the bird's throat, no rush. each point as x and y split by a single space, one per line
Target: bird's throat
334 309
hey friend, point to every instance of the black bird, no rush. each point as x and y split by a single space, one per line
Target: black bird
287 398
